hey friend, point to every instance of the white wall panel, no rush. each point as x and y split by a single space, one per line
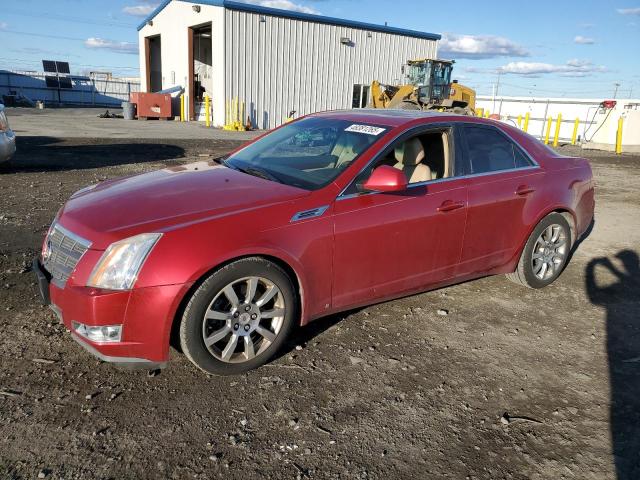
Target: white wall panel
282 64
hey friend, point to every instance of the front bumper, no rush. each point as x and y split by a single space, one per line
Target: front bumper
146 315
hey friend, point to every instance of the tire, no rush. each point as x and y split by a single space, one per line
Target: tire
231 321
550 242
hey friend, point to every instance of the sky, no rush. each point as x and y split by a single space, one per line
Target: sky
547 48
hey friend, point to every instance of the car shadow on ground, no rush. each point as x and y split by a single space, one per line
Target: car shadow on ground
39 154
614 283
301 336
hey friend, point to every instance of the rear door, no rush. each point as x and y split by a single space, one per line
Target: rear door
503 182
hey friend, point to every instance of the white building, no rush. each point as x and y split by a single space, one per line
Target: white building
273 60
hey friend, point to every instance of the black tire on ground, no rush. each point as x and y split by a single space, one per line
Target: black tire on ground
408 106
524 273
191 326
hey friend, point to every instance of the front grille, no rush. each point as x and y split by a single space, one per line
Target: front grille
62 252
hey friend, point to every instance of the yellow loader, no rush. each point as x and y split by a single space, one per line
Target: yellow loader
429 88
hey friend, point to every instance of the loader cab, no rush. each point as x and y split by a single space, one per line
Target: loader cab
432 79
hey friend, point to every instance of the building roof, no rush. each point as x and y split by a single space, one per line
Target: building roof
248 7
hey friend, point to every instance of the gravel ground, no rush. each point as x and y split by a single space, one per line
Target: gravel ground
480 380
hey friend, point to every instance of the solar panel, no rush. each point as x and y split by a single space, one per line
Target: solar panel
52 82
65 82
49 66
63 67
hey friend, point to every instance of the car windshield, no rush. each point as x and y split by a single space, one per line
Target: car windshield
309 153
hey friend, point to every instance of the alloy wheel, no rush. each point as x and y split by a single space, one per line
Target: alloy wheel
243 319
549 252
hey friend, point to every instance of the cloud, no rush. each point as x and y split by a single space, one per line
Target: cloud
283 5
479 46
629 11
573 68
141 10
3 25
580 40
112 45
587 25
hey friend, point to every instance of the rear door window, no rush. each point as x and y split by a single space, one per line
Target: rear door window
491 151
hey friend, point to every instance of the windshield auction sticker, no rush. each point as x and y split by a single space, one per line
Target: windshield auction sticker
368 129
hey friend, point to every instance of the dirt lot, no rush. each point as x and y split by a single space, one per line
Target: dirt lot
511 383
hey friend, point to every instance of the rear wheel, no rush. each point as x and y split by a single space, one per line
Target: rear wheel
545 254
239 317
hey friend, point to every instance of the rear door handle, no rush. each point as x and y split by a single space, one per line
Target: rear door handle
449 205
524 190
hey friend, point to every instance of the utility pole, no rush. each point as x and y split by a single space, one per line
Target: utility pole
496 86
615 92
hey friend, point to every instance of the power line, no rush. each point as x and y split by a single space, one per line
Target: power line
42 35
67 18
37 62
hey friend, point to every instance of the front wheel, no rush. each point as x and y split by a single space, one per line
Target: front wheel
545 254
238 317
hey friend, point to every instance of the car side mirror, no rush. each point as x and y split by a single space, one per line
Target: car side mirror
386 179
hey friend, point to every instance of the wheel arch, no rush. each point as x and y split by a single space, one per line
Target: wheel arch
292 273
568 214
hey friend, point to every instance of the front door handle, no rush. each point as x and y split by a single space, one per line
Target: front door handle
450 205
524 190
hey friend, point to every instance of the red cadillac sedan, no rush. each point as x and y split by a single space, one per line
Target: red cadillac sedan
332 211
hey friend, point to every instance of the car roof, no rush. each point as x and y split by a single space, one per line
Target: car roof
389 117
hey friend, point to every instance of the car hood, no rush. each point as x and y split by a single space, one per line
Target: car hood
167 199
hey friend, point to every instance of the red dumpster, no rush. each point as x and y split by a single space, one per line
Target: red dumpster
152 105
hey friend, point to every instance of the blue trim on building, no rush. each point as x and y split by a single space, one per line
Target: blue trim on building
248 7
158 9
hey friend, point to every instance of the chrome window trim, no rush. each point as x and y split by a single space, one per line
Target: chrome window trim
509 137
429 126
452 125
442 180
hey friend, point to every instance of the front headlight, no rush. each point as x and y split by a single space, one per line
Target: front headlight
120 264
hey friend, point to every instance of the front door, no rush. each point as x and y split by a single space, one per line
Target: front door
390 243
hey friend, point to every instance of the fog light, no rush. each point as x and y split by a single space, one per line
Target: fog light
102 333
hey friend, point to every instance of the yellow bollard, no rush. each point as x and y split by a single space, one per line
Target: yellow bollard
557 134
236 103
619 137
519 121
207 111
486 113
575 131
182 108
546 137
480 112
241 126
526 122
